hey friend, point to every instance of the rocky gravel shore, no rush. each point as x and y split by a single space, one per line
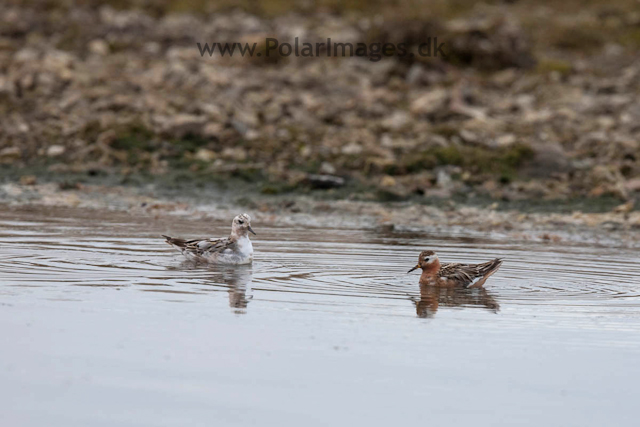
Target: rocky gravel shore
512 113
619 227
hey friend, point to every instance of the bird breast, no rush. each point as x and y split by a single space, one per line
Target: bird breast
245 248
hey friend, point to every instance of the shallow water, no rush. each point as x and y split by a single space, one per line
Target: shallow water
103 324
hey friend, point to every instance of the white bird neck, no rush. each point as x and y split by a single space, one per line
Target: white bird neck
237 235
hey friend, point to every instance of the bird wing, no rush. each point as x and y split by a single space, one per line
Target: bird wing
459 272
201 246
466 274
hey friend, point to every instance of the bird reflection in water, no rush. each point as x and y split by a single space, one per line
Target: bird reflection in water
432 297
238 279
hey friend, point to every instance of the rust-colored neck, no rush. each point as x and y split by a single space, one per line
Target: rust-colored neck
430 271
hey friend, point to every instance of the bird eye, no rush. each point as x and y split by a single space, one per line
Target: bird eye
241 221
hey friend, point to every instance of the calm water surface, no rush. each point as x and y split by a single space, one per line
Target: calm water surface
103 324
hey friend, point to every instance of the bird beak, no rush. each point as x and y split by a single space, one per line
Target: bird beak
251 230
414 268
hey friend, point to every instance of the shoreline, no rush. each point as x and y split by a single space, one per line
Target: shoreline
617 228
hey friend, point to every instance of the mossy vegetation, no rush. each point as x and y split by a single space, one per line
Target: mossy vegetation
273 188
577 37
189 143
502 162
138 143
136 136
546 66
630 37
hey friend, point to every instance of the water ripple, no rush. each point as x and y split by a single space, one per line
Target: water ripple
321 266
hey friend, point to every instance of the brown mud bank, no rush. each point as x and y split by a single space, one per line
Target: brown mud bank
618 227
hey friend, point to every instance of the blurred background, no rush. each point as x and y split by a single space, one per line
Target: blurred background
536 100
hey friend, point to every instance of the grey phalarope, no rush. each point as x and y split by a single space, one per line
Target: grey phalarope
235 249
454 274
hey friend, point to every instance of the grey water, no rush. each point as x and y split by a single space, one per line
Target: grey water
103 324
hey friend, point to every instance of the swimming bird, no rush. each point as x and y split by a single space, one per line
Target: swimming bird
453 274
235 249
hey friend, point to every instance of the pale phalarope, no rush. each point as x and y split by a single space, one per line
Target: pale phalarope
235 249
454 274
